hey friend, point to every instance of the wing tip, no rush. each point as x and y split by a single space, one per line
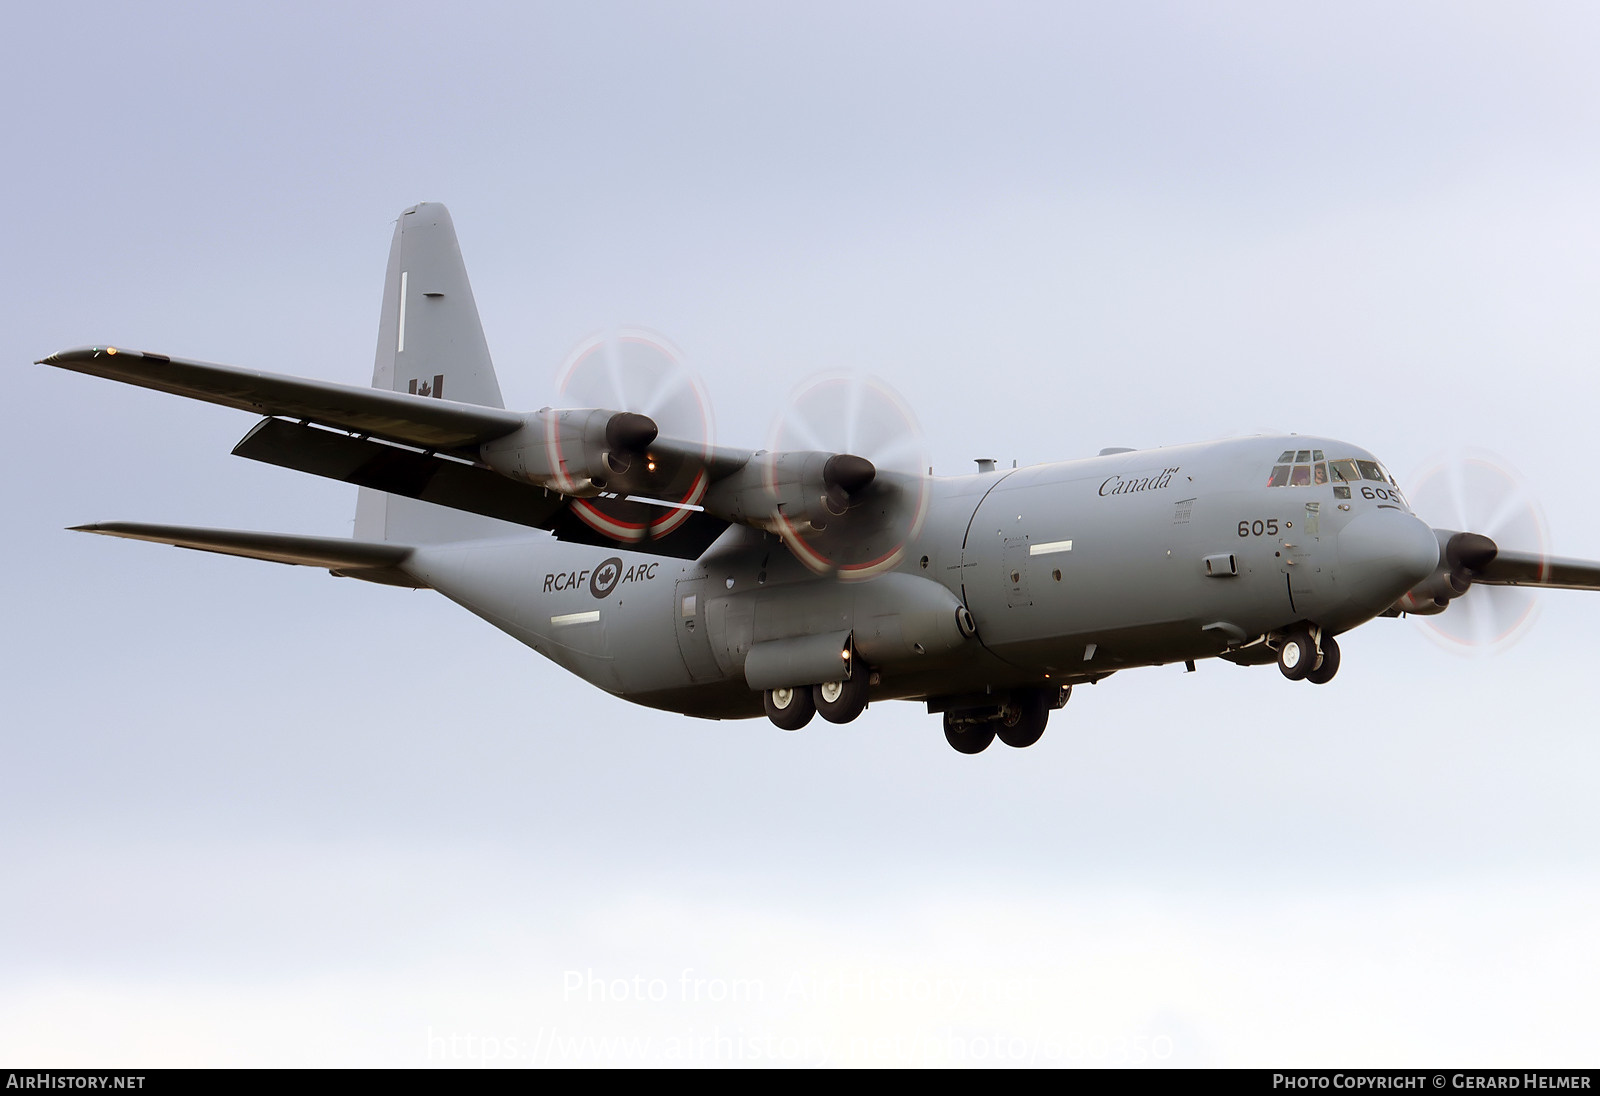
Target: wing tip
73 354
78 355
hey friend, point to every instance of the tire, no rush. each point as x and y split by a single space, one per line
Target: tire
1296 654
968 738
789 709
1324 670
1025 719
842 701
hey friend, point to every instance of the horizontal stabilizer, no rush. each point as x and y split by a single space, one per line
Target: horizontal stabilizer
373 562
399 416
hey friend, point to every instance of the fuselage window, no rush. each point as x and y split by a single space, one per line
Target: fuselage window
1321 473
1303 456
1371 471
1302 476
1280 476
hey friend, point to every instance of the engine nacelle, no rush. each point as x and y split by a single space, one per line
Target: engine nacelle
1459 555
814 490
579 452
803 492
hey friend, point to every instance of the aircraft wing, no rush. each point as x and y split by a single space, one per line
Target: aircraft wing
592 475
448 472
372 561
1533 569
398 416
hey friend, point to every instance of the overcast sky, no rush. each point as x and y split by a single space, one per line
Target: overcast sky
257 815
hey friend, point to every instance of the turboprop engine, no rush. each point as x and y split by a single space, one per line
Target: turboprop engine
1461 555
813 491
580 452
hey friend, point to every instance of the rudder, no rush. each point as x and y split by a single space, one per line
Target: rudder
430 343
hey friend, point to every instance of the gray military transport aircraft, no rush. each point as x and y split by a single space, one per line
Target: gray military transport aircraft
722 583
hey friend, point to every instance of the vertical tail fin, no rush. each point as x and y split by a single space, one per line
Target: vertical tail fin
430 343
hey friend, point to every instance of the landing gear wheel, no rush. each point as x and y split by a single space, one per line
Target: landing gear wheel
1025 718
968 738
789 709
842 701
1297 654
1324 671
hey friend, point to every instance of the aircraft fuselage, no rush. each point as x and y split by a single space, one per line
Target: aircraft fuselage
1069 572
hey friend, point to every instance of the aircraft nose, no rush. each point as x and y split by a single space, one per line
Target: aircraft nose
1386 552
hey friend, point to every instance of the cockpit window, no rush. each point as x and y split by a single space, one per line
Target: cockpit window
1307 468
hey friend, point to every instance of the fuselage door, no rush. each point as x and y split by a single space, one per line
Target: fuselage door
1304 558
689 624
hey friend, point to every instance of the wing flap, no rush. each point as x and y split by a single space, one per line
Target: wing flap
453 483
389 468
375 562
399 416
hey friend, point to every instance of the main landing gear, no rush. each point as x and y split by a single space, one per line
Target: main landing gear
1019 722
791 708
1302 658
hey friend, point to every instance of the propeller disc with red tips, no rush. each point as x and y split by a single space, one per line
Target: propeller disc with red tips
1494 508
873 490
638 371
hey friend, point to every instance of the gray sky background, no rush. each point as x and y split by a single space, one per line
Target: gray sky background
255 815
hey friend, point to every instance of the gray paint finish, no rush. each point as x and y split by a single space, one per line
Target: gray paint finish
978 593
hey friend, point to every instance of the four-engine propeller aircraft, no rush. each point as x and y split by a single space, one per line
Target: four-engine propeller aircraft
722 582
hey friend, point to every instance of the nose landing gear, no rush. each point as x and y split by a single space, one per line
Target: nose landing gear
1297 653
1307 655
1327 665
